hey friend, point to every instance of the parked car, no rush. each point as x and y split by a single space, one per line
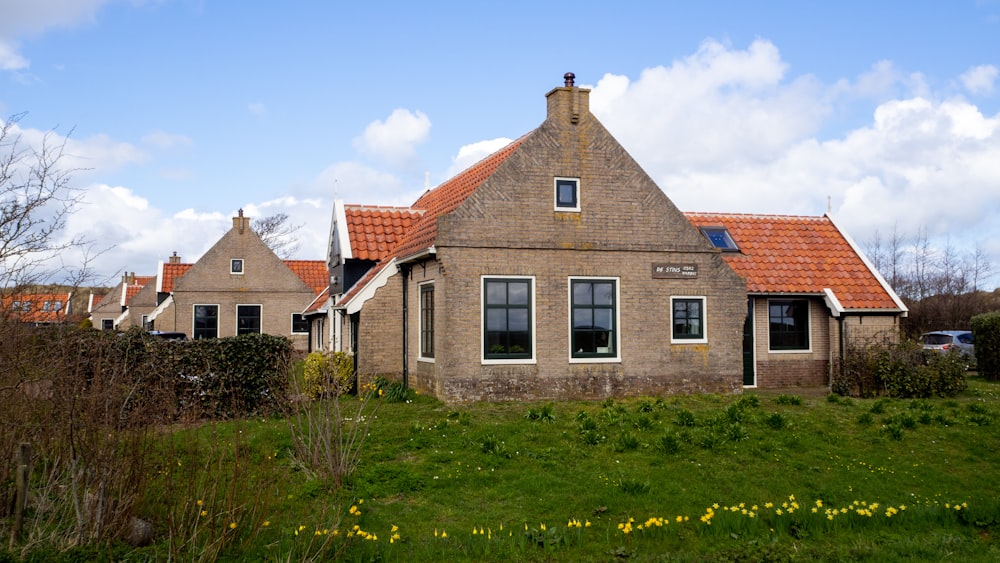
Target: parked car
960 341
166 335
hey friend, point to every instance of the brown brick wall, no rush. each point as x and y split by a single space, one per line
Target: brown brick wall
789 369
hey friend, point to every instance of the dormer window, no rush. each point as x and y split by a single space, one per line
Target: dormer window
567 194
720 238
236 266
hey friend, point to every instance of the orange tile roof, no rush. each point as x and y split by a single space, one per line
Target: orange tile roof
170 274
449 195
375 230
312 272
796 254
319 302
37 311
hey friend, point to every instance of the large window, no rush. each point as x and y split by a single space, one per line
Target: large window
687 320
594 306
427 320
247 319
788 322
206 321
508 318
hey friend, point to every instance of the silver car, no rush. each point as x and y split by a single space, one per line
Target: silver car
947 340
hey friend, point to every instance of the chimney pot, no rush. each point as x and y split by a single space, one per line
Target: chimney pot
569 79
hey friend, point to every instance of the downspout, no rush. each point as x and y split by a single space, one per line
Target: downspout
404 269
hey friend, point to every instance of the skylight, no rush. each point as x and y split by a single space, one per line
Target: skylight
720 238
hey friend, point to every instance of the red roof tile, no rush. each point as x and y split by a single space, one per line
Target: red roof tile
449 195
135 285
170 274
375 230
312 272
37 307
795 254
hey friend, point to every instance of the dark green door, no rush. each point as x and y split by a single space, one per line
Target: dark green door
749 370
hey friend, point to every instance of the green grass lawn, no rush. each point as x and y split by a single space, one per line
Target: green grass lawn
765 476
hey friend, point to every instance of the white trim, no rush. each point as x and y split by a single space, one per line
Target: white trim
832 302
243 266
555 195
420 322
871 268
161 307
159 277
704 320
368 291
617 358
343 238
809 325
236 322
482 322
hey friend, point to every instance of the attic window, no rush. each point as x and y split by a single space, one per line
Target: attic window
236 266
720 238
567 194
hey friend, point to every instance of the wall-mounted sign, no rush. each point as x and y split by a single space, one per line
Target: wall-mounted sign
675 271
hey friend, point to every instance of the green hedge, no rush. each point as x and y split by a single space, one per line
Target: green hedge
986 332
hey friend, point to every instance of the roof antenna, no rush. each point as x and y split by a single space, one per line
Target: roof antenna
427 180
829 204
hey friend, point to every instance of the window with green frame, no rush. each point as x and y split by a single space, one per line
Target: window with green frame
507 318
687 318
247 319
206 321
594 315
788 324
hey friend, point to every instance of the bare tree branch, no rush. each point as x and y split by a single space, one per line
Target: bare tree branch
278 234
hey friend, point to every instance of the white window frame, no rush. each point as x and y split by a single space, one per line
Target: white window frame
617 358
482 323
232 264
555 194
420 323
704 320
236 322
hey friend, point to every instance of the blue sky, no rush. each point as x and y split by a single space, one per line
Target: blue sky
184 111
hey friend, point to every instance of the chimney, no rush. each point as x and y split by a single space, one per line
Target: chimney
131 278
569 102
241 223
175 259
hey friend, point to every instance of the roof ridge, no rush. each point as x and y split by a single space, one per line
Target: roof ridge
751 215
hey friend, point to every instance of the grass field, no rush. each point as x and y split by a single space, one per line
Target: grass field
762 476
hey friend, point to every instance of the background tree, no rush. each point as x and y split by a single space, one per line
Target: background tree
278 234
36 198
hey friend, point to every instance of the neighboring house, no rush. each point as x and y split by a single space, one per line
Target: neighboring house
553 269
238 287
37 308
811 293
112 309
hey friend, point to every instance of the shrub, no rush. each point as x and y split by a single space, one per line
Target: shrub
899 370
986 332
327 373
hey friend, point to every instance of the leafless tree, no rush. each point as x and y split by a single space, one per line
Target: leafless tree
36 199
278 234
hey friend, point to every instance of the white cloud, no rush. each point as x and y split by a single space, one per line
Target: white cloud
164 140
394 140
471 154
980 79
23 18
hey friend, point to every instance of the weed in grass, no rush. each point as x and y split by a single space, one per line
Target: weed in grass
490 444
977 408
685 418
793 400
980 420
893 431
775 421
643 422
632 486
925 418
645 406
878 407
544 414
668 444
592 437
866 419
748 401
832 398
626 442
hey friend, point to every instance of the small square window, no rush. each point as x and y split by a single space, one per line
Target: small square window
567 194
720 238
687 319
236 266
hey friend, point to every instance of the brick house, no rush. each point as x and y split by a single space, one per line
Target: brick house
553 269
238 286
37 308
112 309
811 293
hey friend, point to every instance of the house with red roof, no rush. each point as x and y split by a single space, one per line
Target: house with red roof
37 308
555 268
811 293
111 310
239 286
